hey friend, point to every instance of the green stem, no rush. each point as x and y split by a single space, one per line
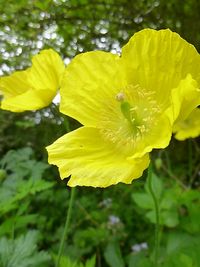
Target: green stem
66 228
157 227
190 161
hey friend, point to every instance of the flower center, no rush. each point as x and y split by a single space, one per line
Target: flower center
139 108
132 114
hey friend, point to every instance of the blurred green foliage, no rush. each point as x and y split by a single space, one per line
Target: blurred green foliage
114 226
119 233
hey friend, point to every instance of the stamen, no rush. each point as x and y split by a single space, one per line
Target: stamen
133 109
141 128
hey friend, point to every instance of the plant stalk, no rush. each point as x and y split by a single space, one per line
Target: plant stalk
66 228
157 226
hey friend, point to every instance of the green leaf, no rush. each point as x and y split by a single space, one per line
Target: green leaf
112 255
17 222
25 178
22 251
43 5
139 260
3 174
186 260
190 203
170 218
91 262
67 262
182 250
143 200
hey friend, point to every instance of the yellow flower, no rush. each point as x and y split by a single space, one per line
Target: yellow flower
35 87
190 127
127 104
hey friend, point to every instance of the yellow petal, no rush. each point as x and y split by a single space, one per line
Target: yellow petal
159 60
190 127
35 87
157 137
30 100
184 99
89 82
15 84
93 161
47 70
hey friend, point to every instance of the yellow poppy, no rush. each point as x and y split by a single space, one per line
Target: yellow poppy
35 87
127 104
188 128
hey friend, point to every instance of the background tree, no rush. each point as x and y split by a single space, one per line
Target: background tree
74 26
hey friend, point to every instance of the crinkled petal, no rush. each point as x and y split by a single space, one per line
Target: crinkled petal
47 70
89 81
92 161
41 82
190 127
158 60
184 99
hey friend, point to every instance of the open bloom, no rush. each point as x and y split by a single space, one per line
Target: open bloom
35 87
128 105
190 127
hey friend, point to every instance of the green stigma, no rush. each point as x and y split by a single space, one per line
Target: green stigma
130 114
126 110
